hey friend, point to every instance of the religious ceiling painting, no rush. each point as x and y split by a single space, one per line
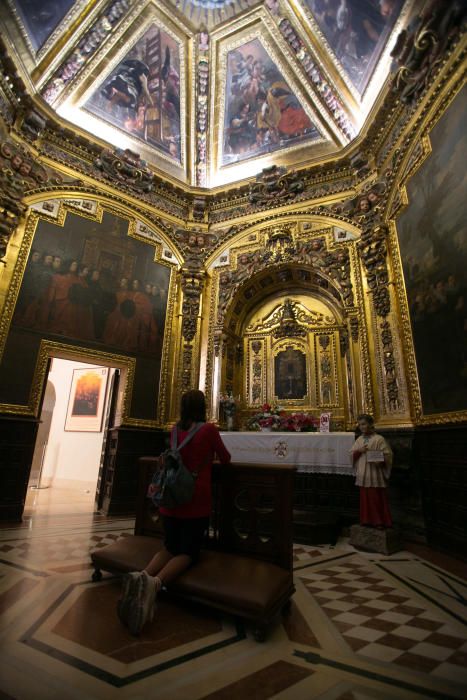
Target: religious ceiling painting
40 18
262 113
433 244
89 283
357 32
141 96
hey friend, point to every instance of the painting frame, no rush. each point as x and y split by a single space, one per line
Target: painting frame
34 351
421 159
86 400
85 85
232 39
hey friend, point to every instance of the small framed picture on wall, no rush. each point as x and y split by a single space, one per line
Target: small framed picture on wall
87 398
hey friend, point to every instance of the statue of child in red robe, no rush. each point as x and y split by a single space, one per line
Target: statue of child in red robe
372 459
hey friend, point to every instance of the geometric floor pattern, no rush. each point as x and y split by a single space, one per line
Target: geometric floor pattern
361 627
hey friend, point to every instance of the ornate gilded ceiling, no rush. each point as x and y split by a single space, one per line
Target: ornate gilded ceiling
206 91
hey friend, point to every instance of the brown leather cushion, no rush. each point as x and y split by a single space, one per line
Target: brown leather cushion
235 583
238 584
131 553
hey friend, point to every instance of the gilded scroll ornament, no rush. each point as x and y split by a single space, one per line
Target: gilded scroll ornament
125 167
275 183
421 50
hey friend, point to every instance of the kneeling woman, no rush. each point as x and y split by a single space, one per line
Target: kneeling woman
184 526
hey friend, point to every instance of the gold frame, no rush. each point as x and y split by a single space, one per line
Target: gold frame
257 24
70 351
362 367
129 32
408 168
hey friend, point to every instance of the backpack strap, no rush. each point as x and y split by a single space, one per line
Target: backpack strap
187 439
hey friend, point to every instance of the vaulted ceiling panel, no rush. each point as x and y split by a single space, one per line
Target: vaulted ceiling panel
209 92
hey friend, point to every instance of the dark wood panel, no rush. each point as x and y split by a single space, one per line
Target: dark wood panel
442 456
17 440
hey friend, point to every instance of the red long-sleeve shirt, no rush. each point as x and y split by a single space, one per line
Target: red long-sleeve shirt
198 456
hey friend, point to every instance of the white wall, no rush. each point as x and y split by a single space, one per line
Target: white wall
71 458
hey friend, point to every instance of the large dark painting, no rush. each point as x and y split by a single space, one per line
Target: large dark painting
141 95
433 243
41 17
93 285
261 112
290 374
357 31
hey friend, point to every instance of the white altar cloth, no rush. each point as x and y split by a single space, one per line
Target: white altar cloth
321 453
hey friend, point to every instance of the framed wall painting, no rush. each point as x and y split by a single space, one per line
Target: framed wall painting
87 399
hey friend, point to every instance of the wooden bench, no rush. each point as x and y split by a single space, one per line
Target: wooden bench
246 568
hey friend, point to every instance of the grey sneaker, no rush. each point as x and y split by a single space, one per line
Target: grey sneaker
131 584
142 606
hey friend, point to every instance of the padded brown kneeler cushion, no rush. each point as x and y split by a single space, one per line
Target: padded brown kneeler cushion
235 583
130 553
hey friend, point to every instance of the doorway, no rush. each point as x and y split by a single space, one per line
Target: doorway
70 439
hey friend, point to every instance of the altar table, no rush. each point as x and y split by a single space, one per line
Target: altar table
315 453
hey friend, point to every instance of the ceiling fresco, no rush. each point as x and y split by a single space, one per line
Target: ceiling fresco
202 89
262 114
141 96
357 32
41 17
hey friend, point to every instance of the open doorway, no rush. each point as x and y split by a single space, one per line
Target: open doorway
70 441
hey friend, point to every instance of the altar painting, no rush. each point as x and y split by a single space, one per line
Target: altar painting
357 31
262 113
290 375
433 244
141 95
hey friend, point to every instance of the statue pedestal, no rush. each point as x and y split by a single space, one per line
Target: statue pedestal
370 539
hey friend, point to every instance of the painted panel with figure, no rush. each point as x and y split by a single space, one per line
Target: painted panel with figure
357 31
433 244
262 114
42 17
89 283
141 95
290 374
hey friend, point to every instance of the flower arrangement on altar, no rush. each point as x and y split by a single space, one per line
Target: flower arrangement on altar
274 418
268 419
299 423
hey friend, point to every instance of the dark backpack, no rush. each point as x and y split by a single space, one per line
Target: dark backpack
172 483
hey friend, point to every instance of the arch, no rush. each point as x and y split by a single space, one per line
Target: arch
324 220
71 197
276 280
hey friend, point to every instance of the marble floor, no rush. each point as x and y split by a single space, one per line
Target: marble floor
361 626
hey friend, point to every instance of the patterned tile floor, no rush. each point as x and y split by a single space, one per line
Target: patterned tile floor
361 627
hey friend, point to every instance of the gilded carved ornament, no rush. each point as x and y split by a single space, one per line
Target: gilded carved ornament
19 172
421 49
280 249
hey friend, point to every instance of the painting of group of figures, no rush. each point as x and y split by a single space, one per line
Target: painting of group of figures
433 244
41 17
92 282
141 95
262 114
357 31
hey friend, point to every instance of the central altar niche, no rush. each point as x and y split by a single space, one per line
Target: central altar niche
291 347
